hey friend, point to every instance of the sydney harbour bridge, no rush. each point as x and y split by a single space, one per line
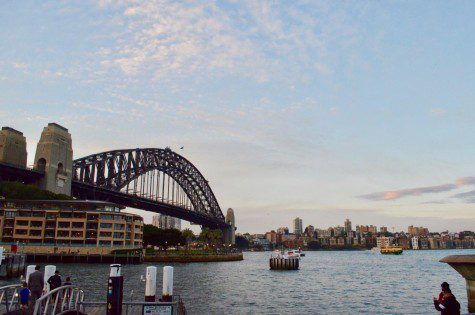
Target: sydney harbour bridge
151 179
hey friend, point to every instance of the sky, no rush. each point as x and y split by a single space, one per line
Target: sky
324 110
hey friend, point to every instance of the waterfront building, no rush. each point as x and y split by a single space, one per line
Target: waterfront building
433 243
12 147
417 231
283 230
383 241
271 237
310 231
415 242
424 243
298 226
89 224
347 226
166 222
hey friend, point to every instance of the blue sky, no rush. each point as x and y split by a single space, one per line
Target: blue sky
323 110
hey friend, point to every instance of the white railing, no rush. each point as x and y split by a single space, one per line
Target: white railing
68 297
9 297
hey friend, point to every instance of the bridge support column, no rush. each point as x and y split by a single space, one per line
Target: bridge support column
54 157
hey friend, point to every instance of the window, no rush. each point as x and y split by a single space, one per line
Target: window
63 233
104 243
106 225
36 224
78 225
21 232
118 226
91 226
10 214
65 215
106 216
105 234
22 223
118 235
64 225
41 165
77 234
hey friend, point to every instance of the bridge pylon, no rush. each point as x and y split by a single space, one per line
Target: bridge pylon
54 157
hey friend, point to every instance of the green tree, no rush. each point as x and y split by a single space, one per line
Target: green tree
163 238
188 235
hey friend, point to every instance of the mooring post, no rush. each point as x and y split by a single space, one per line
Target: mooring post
29 270
49 271
167 291
115 291
150 284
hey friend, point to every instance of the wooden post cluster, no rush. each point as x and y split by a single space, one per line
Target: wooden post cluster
284 263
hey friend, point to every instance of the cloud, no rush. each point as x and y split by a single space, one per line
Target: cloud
396 194
438 111
468 197
465 181
257 39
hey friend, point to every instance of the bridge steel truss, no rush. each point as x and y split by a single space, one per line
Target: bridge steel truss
151 179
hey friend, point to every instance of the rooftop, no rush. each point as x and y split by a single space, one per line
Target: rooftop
13 130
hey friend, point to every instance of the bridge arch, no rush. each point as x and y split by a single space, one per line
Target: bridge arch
115 171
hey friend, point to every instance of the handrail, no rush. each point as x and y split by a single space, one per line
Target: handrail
70 296
4 294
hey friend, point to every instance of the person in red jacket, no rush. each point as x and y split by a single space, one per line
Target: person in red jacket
444 287
449 304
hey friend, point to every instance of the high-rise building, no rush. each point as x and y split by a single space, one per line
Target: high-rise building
298 226
347 226
166 222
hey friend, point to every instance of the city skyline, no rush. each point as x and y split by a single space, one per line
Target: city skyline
314 110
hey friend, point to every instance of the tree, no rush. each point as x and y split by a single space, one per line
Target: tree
162 237
241 242
188 235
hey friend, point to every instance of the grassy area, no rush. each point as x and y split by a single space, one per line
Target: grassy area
17 190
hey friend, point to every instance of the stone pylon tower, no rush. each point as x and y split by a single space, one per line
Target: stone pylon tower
54 156
12 147
230 233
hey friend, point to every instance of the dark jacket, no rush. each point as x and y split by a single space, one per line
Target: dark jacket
35 281
448 306
54 282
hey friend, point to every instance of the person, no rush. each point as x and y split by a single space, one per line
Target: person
24 297
444 286
68 282
54 282
449 304
35 284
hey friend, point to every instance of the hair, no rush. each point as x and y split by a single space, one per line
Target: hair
68 278
56 271
37 267
25 285
445 286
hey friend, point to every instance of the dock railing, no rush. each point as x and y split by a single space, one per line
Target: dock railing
65 298
9 298
175 307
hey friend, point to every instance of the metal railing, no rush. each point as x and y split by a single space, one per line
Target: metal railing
68 297
9 298
128 307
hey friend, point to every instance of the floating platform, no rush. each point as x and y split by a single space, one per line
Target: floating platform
291 263
83 259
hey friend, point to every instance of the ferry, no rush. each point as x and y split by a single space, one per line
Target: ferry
391 250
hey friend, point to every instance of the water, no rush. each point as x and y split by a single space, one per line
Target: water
327 283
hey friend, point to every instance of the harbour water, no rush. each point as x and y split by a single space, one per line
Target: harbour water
327 283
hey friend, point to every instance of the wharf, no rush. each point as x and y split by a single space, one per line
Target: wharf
83 259
190 258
